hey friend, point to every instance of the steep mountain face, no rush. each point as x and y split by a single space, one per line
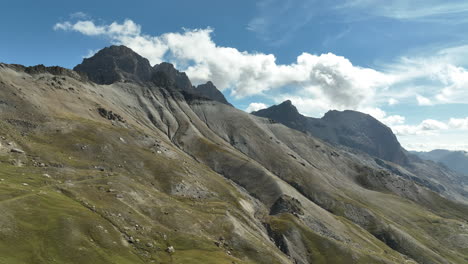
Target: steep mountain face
167 76
455 160
363 133
210 91
116 63
121 64
285 113
134 172
349 128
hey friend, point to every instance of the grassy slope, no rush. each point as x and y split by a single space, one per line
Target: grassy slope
76 215
73 218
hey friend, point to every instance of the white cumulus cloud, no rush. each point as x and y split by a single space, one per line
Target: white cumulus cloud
423 100
255 107
459 123
392 101
333 79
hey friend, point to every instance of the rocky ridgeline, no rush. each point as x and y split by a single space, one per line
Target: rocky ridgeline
348 128
137 165
121 64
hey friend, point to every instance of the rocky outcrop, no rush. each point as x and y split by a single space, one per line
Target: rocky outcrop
210 91
285 113
165 75
360 131
54 70
121 64
287 204
116 63
349 128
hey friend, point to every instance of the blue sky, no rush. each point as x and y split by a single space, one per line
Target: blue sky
404 62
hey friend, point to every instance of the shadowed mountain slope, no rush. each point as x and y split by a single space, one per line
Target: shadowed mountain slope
121 64
134 172
210 91
349 128
116 63
363 133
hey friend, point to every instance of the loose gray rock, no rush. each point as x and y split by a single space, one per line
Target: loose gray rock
170 249
16 150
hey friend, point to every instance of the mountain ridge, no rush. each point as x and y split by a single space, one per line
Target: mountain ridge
121 64
361 132
343 128
132 172
455 160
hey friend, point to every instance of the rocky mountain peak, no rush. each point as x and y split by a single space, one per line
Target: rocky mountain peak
120 63
285 112
362 131
165 74
349 128
210 91
288 106
116 63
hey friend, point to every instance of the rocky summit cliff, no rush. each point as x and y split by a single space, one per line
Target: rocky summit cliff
116 63
118 162
349 128
361 132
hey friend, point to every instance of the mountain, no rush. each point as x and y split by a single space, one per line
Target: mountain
137 171
121 64
210 91
349 128
455 160
166 75
361 132
116 63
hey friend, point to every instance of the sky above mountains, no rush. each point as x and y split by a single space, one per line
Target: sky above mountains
404 62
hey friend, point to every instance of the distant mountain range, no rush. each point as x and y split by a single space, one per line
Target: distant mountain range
349 128
455 160
361 132
118 161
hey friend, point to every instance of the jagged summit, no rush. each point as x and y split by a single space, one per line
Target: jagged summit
349 128
210 91
362 131
116 63
121 64
165 74
38 69
285 113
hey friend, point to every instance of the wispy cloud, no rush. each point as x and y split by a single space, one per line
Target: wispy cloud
277 21
79 15
432 10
